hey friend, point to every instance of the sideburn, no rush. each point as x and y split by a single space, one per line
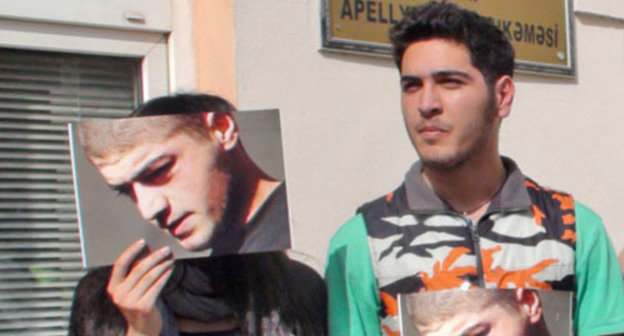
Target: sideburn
230 232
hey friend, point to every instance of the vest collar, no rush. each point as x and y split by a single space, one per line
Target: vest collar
512 196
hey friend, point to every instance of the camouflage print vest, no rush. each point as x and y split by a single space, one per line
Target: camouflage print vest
417 243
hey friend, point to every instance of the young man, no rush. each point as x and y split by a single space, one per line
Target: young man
188 174
465 217
478 312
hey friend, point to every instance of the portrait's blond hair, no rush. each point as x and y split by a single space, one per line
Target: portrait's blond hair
153 123
431 308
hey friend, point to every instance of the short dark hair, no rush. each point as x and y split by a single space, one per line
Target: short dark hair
183 103
490 50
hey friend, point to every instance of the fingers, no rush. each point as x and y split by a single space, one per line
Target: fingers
136 283
125 259
151 293
145 276
129 283
138 272
142 316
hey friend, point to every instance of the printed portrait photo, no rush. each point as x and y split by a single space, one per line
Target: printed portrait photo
486 312
209 183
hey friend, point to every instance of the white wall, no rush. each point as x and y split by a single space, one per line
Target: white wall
144 15
344 136
182 53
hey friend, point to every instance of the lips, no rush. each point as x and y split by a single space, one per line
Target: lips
431 128
178 227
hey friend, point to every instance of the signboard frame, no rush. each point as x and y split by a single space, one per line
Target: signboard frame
331 43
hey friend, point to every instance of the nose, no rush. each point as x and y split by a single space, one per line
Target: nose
429 102
152 203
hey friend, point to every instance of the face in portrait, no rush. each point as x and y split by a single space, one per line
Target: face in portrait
190 176
176 179
478 312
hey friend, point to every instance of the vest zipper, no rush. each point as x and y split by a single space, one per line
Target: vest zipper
474 235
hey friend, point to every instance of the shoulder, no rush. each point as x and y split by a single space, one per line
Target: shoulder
600 298
354 232
387 202
348 248
586 215
591 235
593 246
351 232
269 229
538 191
589 227
351 283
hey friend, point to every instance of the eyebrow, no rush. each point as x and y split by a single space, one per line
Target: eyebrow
447 73
437 74
409 78
140 172
470 329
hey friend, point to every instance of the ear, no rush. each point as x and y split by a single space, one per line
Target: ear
223 129
504 91
529 304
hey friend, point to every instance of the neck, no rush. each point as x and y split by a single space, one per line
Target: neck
469 187
539 329
249 186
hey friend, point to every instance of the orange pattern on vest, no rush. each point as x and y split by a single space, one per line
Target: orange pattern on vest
520 278
568 219
530 184
538 214
569 235
390 303
444 276
567 202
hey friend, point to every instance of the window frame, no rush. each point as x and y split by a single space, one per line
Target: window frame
150 47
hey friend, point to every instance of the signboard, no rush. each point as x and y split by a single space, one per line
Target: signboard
540 30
